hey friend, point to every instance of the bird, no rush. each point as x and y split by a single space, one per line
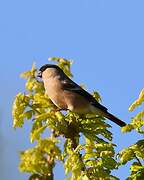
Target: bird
68 95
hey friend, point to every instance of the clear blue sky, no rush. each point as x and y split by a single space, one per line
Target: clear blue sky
105 38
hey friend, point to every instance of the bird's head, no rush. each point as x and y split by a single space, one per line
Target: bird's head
49 70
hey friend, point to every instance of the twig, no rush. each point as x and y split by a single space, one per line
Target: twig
137 159
33 108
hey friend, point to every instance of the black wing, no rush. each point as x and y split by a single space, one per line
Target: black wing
69 85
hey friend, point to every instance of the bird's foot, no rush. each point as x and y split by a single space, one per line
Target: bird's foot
59 109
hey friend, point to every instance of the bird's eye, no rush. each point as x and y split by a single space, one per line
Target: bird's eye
39 74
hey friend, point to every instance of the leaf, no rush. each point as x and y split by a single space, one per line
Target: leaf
126 155
35 135
138 102
97 96
28 114
64 64
85 177
26 74
18 109
135 168
127 128
29 74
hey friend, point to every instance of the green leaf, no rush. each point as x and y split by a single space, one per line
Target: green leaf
127 128
35 135
135 168
28 114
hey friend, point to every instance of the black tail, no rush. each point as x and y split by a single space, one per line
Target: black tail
115 119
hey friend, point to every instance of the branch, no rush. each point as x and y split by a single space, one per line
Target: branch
34 109
138 160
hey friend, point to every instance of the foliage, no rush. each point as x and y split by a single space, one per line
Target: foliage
135 152
82 143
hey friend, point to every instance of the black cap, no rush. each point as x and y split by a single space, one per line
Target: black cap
44 67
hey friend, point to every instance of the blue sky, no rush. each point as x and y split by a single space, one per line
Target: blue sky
105 38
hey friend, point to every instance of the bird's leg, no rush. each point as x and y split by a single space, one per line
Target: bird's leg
63 109
59 109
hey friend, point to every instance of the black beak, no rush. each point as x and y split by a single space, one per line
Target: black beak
39 74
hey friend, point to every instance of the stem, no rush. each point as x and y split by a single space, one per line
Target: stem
50 161
138 160
33 108
51 177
